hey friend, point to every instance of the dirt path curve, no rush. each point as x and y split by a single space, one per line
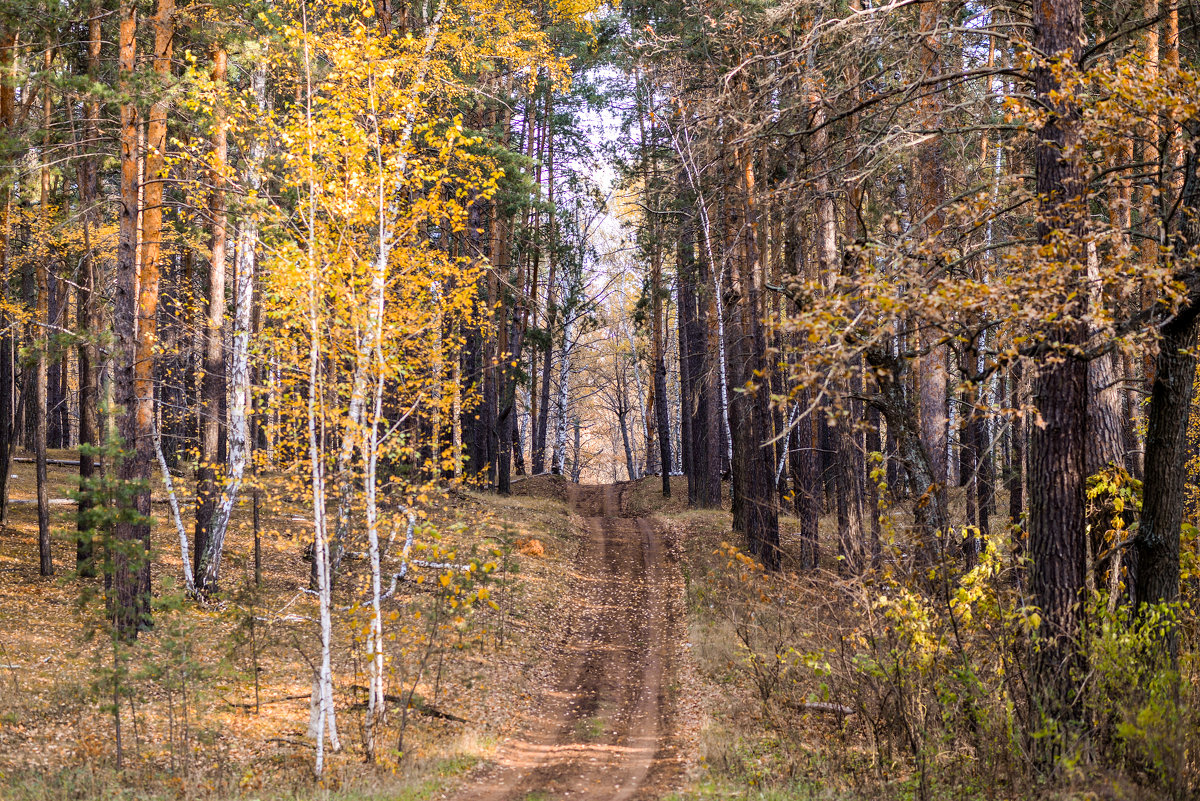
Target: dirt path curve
605 727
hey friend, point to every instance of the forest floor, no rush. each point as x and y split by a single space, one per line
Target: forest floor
608 724
604 674
195 722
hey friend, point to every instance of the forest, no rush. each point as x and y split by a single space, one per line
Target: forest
656 399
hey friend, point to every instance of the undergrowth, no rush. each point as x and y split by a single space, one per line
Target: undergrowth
911 684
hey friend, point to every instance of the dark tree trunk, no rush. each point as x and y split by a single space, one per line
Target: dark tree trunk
8 388
542 423
518 447
826 444
89 394
472 379
929 515
687 405
705 371
1155 562
40 340
40 412
848 484
56 387
507 419
1058 444
754 514
685 315
663 421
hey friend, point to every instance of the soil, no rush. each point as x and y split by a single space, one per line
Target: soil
606 726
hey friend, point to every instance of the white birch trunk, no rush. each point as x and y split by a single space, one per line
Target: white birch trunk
323 686
189 581
376 705
239 367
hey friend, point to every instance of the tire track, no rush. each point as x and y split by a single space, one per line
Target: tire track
604 729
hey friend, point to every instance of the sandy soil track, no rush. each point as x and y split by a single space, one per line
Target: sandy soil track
605 728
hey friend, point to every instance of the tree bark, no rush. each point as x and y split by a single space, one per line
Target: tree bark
1058 444
212 385
123 603
1155 562
755 512
141 428
932 369
87 308
240 401
538 455
41 341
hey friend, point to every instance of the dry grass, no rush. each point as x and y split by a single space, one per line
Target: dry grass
774 657
57 741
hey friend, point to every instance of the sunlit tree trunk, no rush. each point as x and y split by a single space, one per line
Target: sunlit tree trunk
41 340
124 600
155 171
322 714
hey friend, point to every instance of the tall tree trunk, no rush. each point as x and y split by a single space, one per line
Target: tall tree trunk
87 311
711 412
41 341
8 367
239 363
322 711
931 182
1156 549
142 428
755 512
126 561
685 313
1058 444
622 402
212 387
508 406
538 455
662 422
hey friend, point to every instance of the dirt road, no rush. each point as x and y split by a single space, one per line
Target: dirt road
605 728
